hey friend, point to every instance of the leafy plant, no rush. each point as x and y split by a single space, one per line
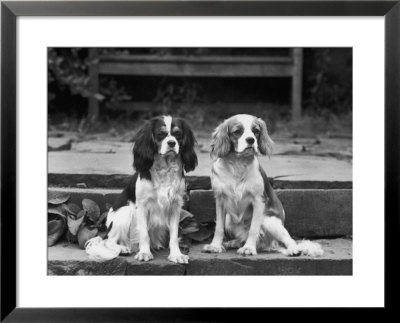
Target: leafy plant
83 223
328 80
192 231
68 74
180 97
69 67
79 224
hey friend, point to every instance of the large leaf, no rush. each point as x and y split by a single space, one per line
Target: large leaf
81 214
188 225
57 210
185 214
185 244
54 226
73 225
72 209
57 198
84 234
56 229
52 216
71 238
102 234
189 229
92 209
101 219
201 235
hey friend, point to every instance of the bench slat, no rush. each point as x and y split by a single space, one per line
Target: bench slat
191 70
197 59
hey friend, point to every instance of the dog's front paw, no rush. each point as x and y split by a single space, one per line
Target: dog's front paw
293 251
247 251
144 256
213 248
179 258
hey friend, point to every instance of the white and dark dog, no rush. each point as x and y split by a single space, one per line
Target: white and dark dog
146 214
247 208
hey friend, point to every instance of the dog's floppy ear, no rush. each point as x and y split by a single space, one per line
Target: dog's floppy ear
264 141
189 157
144 149
220 142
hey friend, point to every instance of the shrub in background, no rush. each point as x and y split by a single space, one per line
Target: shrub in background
328 80
327 86
68 81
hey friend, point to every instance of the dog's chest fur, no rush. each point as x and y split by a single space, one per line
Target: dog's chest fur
163 195
237 182
167 179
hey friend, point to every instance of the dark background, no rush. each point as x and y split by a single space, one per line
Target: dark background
204 101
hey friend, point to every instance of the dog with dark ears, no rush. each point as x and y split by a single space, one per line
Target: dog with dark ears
248 211
146 214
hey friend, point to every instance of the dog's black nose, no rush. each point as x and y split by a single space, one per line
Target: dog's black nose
171 143
250 140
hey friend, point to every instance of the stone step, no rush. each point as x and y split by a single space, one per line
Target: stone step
309 213
99 195
193 182
68 259
94 159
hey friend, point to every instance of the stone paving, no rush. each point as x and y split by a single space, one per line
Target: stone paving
67 259
288 163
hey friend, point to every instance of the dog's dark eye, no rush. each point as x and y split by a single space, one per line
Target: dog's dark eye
177 134
256 131
161 136
237 132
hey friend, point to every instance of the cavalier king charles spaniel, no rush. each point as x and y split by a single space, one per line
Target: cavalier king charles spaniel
146 214
247 208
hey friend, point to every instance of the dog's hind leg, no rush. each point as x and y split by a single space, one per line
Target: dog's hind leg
121 221
117 242
275 228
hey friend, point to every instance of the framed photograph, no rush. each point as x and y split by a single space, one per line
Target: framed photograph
251 147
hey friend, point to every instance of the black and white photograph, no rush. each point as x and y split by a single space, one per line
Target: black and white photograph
200 161
194 161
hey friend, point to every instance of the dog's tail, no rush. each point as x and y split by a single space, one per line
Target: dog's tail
99 250
310 248
120 236
304 248
273 227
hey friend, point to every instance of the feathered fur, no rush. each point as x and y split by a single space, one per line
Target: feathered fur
146 215
248 212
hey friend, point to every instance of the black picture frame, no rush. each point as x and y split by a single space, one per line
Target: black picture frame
11 10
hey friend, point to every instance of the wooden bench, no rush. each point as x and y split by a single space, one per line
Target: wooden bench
202 66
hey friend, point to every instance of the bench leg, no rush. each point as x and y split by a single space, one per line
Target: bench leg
297 83
93 110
